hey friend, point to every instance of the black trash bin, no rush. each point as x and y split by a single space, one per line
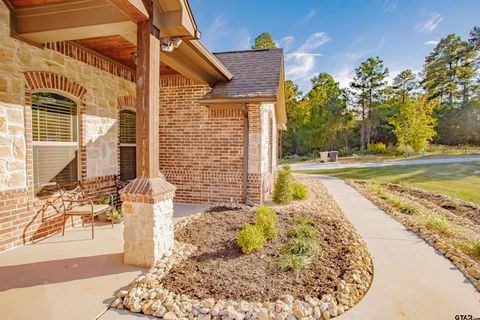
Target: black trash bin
333 156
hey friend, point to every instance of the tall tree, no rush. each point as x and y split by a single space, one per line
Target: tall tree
404 85
327 111
293 139
414 124
264 41
369 85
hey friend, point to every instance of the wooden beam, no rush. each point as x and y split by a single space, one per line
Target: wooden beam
148 101
68 21
134 9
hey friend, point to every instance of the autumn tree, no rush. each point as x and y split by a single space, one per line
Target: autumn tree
264 41
414 125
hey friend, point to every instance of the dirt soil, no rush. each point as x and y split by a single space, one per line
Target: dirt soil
459 208
219 269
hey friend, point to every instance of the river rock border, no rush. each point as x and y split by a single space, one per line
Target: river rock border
147 295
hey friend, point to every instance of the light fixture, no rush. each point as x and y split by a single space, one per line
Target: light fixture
169 44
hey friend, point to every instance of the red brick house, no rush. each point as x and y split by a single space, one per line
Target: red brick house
126 92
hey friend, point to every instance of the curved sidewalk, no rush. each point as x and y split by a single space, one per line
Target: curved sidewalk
412 280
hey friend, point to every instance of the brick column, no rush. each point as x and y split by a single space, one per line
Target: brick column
148 228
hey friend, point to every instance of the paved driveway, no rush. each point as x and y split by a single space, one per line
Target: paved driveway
339 165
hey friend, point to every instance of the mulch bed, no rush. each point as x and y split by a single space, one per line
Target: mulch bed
220 270
459 208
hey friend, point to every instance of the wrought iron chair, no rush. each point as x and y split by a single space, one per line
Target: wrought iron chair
74 203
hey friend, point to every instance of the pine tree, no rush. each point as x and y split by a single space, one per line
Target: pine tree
264 41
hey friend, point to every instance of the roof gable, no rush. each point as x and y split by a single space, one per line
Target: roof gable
256 74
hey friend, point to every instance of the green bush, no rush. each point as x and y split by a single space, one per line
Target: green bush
438 222
471 247
305 220
377 148
251 238
266 219
301 246
394 151
282 188
299 192
292 262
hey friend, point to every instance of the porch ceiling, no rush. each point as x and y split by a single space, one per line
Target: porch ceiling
111 30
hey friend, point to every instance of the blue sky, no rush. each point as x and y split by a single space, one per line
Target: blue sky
335 36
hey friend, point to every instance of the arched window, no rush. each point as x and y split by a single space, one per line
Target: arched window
128 166
54 140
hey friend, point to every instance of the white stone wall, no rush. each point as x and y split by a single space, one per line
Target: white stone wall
268 177
12 148
265 110
103 89
148 232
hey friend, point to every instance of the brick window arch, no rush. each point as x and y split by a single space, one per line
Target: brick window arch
127 138
62 92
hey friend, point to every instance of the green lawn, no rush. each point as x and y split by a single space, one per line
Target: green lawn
452 179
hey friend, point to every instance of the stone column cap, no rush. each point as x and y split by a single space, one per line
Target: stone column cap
149 190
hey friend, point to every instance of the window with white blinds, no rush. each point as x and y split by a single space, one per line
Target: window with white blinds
128 166
55 141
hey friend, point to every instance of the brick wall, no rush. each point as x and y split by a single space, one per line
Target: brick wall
95 85
201 149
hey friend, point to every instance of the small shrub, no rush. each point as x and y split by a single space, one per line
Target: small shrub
115 214
408 209
266 219
471 247
305 220
438 222
282 188
451 204
377 148
376 189
292 262
251 238
394 151
301 246
302 231
299 192
104 200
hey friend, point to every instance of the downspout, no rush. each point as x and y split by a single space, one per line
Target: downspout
245 152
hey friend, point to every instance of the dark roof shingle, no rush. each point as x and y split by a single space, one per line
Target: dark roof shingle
256 73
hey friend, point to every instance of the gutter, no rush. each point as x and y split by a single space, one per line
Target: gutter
246 132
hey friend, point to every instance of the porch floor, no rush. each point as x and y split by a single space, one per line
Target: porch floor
70 277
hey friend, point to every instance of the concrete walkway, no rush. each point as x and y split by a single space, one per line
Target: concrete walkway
70 277
339 165
412 280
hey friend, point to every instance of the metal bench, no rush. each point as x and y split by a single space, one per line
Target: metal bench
74 203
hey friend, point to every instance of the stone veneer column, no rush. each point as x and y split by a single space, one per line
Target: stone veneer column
148 226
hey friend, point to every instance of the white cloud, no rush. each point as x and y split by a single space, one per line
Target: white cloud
344 75
432 22
308 16
216 31
301 64
286 42
243 40
314 41
431 42
388 5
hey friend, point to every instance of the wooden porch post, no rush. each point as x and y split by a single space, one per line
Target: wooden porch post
148 98
147 200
